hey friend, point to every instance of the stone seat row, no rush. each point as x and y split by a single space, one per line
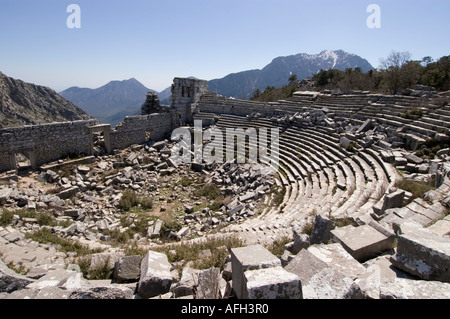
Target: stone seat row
301 192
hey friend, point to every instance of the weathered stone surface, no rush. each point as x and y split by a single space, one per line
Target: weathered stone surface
53 278
330 283
127 269
301 241
272 283
209 284
52 293
367 125
305 265
155 278
402 288
344 142
4 194
68 193
423 254
379 273
363 242
75 282
411 158
249 258
14 236
187 283
23 294
334 255
326 272
11 281
154 230
394 199
321 230
103 292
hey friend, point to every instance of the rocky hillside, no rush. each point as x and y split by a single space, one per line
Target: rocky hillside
24 103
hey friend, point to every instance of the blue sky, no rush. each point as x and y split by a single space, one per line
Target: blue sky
155 41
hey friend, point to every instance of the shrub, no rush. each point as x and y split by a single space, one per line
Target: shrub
146 203
412 114
99 272
6 217
277 247
128 200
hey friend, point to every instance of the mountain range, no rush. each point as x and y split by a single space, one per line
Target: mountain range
24 103
277 73
113 101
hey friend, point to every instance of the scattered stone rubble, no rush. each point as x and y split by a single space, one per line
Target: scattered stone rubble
399 249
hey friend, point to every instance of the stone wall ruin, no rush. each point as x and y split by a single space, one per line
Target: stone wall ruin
50 142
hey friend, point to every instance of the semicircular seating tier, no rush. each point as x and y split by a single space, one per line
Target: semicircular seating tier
318 175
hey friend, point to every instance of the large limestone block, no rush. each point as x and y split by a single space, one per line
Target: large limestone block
329 283
209 284
127 269
363 242
335 256
321 230
272 283
187 283
321 275
249 258
423 254
379 272
155 278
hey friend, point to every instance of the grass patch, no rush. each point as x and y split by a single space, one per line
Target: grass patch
185 181
414 113
352 147
345 221
20 269
219 247
43 218
210 191
277 247
133 249
45 236
417 188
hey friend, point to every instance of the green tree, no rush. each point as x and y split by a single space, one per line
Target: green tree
393 71
437 74
256 95
293 79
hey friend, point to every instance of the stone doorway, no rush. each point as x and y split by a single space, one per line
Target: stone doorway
99 137
23 160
